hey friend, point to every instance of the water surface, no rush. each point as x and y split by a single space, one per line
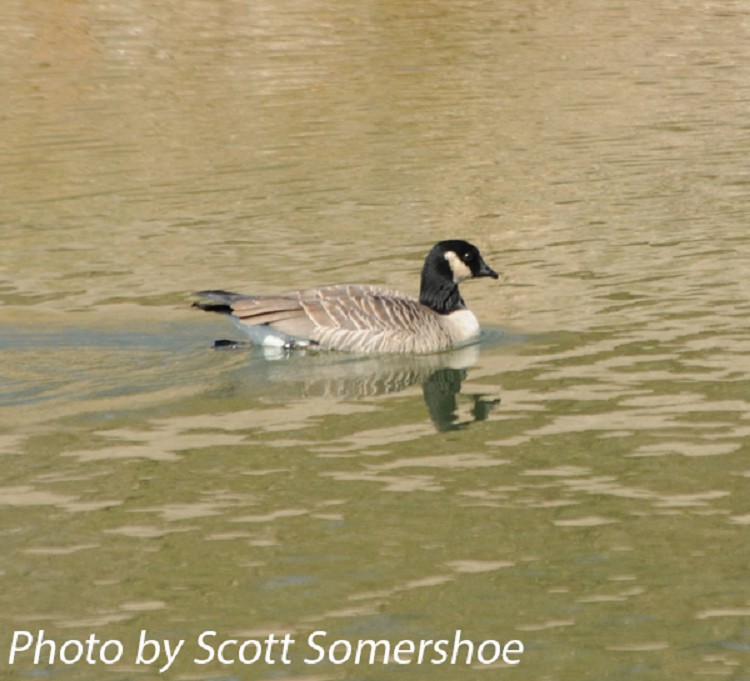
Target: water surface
577 481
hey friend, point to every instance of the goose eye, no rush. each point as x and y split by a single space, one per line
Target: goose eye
466 257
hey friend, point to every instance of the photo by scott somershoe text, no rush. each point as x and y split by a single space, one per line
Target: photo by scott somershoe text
37 649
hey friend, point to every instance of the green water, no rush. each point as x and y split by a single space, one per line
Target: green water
576 482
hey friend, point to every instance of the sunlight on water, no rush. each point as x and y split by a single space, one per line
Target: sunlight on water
575 481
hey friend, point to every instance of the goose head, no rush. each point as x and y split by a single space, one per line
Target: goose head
447 264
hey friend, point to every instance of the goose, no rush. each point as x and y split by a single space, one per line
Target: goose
363 318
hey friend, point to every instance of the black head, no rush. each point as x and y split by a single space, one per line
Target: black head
447 264
464 260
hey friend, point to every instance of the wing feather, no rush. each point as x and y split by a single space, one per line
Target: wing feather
372 319
349 318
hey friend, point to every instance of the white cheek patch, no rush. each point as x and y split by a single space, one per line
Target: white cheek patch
458 267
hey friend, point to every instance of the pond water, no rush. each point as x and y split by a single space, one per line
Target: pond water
576 482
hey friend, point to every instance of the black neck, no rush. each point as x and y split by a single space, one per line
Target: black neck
440 294
443 299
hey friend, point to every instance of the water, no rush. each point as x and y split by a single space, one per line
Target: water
577 481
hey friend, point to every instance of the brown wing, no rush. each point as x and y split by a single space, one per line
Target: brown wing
349 318
370 319
283 312
360 308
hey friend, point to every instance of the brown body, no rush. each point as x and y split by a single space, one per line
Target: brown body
351 318
366 319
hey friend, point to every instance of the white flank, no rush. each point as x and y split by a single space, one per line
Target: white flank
263 335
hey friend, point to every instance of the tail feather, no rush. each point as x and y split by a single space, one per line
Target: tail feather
217 301
214 307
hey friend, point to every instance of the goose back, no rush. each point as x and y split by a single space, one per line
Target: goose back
351 318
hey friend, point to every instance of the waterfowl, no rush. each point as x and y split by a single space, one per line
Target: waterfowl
366 319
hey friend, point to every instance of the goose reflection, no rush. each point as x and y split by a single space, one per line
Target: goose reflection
441 390
304 374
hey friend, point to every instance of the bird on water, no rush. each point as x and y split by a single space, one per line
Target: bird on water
363 318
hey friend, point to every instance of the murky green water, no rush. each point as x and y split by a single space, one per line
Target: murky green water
578 482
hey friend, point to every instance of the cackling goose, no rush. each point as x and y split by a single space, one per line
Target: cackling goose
366 319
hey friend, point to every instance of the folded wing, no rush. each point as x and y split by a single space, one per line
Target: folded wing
349 318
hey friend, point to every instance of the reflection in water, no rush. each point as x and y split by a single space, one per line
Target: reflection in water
441 390
284 375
